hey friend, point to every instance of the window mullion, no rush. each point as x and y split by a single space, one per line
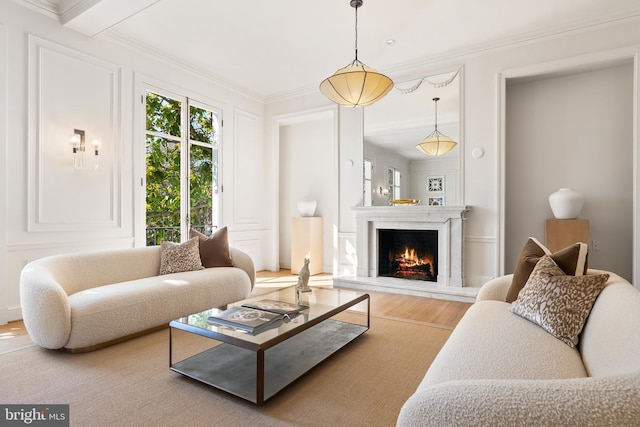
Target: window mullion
163 135
200 143
184 169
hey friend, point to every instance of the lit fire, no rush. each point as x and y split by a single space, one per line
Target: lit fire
409 259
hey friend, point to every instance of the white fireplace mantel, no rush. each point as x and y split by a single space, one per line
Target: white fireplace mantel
447 220
411 212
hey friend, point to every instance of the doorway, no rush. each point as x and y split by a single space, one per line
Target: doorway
571 129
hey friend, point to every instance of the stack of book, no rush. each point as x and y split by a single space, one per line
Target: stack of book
256 317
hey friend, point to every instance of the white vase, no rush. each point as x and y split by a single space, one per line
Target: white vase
566 203
307 207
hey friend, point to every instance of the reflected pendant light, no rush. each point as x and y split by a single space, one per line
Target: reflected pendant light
356 85
436 143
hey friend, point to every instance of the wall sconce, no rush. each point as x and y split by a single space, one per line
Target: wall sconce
77 141
384 191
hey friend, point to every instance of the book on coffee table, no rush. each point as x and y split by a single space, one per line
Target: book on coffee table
275 306
247 319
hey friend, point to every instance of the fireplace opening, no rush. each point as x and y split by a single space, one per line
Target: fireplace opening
408 254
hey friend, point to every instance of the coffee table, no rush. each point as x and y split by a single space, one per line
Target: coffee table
256 367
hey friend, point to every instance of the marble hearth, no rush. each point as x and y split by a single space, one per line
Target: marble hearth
448 221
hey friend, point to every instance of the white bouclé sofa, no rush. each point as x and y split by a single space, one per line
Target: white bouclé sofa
499 369
84 301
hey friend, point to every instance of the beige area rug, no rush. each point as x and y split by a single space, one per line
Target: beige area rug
130 384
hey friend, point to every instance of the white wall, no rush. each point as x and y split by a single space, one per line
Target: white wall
349 187
53 80
572 131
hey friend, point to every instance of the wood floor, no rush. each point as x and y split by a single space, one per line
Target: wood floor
13 336
428 310
446 314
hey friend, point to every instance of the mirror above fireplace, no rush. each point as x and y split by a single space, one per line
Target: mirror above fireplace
394 167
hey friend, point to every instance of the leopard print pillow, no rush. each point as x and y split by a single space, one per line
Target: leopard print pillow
560 304
178 257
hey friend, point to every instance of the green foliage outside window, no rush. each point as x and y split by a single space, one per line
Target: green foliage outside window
163 157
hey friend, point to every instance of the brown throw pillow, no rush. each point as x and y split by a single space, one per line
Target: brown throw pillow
572 260
560 304
214 250
178 257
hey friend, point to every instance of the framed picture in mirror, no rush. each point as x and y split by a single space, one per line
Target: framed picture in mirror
435 184
436 201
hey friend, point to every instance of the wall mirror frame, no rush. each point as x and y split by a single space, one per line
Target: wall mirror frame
397 123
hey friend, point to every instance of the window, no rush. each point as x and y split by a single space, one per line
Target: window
394 183
182 168
203 169
367 172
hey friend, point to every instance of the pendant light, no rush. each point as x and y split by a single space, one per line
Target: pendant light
356 85
436 143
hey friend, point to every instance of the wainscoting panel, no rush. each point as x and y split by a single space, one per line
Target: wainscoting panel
480 264
346 255
249 242
69 90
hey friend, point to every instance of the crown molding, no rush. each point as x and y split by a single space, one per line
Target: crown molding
46 7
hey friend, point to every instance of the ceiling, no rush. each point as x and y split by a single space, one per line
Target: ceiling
270 49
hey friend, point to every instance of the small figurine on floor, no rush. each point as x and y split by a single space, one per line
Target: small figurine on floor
303 279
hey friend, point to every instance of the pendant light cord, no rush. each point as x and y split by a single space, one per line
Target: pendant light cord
436 123
356 8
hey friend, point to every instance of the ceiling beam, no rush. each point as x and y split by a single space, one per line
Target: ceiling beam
92 17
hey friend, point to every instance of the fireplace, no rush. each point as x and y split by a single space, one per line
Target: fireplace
408 254
441 226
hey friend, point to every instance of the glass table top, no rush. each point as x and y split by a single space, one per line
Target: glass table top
323 303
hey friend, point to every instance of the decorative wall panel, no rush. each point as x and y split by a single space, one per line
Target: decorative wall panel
70 90
247 167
